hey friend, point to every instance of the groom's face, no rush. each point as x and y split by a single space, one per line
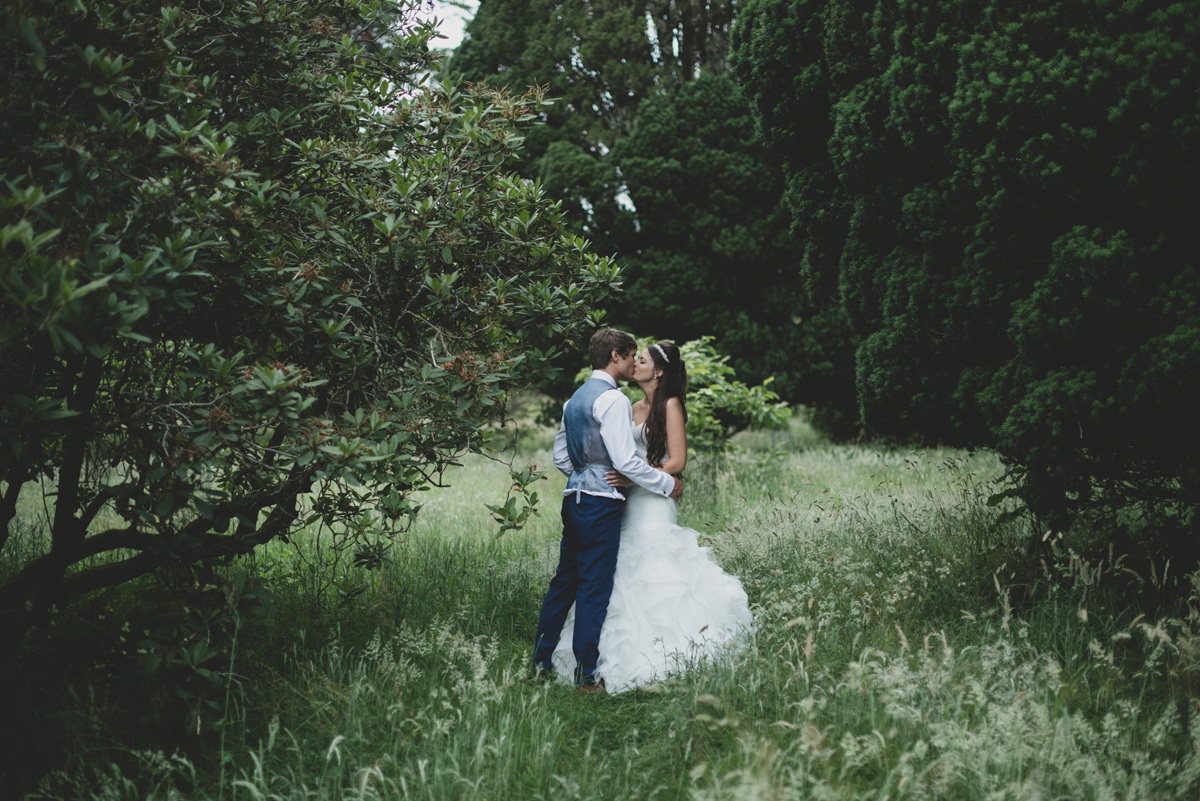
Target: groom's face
625 364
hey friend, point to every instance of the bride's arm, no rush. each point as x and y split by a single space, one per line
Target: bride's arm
676 444
676 438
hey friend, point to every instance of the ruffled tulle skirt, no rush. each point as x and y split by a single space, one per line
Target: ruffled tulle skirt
672 605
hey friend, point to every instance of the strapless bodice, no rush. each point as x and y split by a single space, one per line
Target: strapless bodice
639 441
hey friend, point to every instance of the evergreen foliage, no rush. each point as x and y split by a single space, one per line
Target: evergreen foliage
1006 199
255 275
712 253
600 59
651 150
594 58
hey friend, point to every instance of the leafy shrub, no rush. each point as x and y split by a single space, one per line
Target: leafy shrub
256 274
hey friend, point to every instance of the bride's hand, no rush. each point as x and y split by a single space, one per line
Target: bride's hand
615 479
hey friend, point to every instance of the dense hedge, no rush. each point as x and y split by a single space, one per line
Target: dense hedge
1005 198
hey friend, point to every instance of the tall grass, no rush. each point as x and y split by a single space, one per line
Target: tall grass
901 650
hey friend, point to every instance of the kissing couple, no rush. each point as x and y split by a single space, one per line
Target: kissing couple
635 598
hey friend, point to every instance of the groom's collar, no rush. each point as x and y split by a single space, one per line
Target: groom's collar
603 376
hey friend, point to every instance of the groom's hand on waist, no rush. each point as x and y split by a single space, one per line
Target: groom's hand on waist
615 479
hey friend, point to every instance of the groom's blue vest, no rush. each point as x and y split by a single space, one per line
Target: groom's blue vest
589 458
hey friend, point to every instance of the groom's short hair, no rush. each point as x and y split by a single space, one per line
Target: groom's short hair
604 342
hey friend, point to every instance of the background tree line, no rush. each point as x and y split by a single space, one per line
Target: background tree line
1005 200
652 151
967 225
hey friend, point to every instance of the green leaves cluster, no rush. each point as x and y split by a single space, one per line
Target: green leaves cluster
1004 199
188 639
257 273
510 515
719 405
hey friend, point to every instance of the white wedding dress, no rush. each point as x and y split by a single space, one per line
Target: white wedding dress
671 605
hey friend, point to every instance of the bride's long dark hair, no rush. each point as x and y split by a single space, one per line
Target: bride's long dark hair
671 384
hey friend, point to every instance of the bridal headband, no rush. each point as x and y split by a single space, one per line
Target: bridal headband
661 352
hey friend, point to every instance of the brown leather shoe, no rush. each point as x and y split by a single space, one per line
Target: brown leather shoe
596 688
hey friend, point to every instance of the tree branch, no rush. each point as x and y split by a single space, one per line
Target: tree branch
28 594
92 509
66 531
106 575
8 504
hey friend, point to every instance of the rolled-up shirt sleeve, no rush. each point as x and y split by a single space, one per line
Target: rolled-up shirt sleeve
562 457
614 413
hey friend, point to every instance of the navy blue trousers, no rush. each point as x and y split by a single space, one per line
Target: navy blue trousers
586 563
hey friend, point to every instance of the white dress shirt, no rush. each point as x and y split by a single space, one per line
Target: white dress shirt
614 413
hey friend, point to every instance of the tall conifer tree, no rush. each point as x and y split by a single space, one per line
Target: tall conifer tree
1006 198
651 150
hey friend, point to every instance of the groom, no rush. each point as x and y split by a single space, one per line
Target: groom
596 436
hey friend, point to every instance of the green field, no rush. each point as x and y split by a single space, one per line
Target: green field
903 649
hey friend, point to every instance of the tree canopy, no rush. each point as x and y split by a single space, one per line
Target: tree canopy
1005 198
599 59
712 254
256 275
651 149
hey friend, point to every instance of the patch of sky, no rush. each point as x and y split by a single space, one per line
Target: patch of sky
652 35
452 16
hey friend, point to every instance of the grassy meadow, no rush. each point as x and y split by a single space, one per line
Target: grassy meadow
903 649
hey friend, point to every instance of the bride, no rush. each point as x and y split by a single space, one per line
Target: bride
671 604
